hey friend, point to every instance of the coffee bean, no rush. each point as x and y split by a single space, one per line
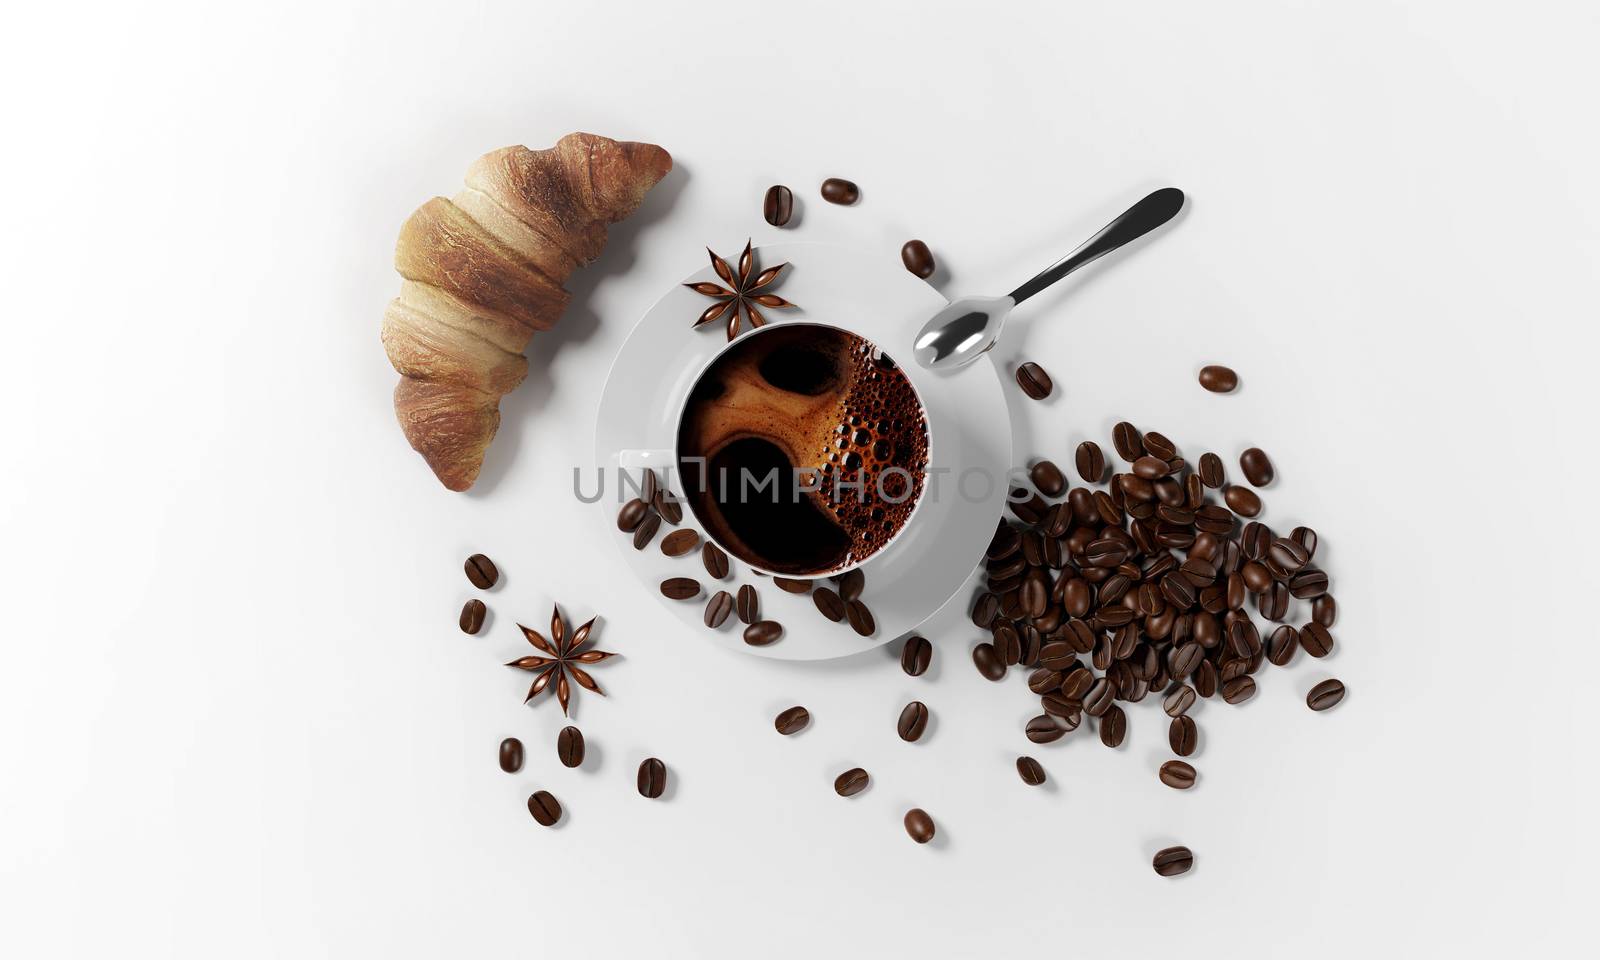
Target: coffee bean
649 485
828 603
545 808
840 191
917 258
1157 445
1034 381
1316 639
1128 441
763 632
1182 735
680 588
919 825
851 584
646 530
748 604
778 205
569 746
1179 700
985 610
1030 771
1043 729
851 782
913 721
510 754
1242 500
792 720
1211 472
481 571
1044 680
1218 379
1239 689
1205 680
472 614
860 618
1325 695
1150 468
1288 555
1306 537
988 661
1059 706
792 586
1257 468
1282 645
632 512
1177 774
1048 479
668 506
1113 726
652 778
716 562
1325 610
1255 576
679 542
1098 699
1183 660
915 655
718 608
1174 860
1308 584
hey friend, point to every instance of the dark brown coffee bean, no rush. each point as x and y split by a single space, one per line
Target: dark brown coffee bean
778 205
652 778
1239 689
1177 774
1218 379
1306 537
1308 584
1185 659
1150 468
1048 478
913 721
680 588
1282 645
1242 500
851 782
646 530
1179 700
1005 542
718 608
1175 860
545 808
1288 555
1256 467
1128 441
632 512
510 754
763 632
851 583
1098 699
1044 680
679 542
792 720
1030 771
1007 642
669 507
792 586
1211 472
828 603
860 618
1157 445
1059 706
1043 729
985 610
917 258
1113 727
716 562
1205 680
472 614
1091 463
840 191
1034 381
569 746
1214 519
919 825
1325 610
748 605
1255 577
1183 735
988 661
482 571
1325 695
1316 639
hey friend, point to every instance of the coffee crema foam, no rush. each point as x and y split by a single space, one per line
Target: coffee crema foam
818 400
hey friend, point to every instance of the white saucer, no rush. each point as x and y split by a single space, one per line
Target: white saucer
923 568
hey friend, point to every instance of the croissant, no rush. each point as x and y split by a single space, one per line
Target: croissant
483 271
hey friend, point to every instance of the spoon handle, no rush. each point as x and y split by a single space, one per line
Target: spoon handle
1135 222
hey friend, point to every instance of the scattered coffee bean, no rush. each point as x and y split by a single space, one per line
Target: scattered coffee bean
1177 774
1325 610
680 588
1183 735
652 778
510 754
1218 379
1242 500
1308 584
1030 771
851 583
649 485
646 530
631 514
763 632
481 571
1282 644
778 205
828 603
1324 695
915 656
669 507
988 661
749 605
913 721
917 258
1150 468
1211 472
1034 381
1048 479
1256 467
840 191
1173 861
545 808
679 542
1239 689
1157 445
919 825
860 618
1316 639
1128 441
569 747
472 614
1091 463
851 782
1179 700
792 586
716 562
792 720
1044 729
718 608
1306 537
1113 726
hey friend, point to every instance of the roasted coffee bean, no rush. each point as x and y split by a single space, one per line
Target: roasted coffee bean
1178 590
1218 379
828 603
851 583
915 655
1244 639
917 258
985 610
646 530
510 754
545 808
1214 519
792 720
1005 542
1325 610
1177 774
1255 576
1007 644
763 632
1030 771
716 562
1034 381
1043 729
1287 554
1211 472
669 507
1179 700
1044 680
1175 860
748 605
1307 538
792 586
1157 445
1128 441
1239 689
1282 645
652 778
1035 595
1242 500
718 608
988 661
919 825
1150 468
1316 639
569 746
1091 463
1048 478
472 614
1076 681
632 512
1076 597
1029 507
1056 522
913 721
1058 706
680 588
851 782
1256 467
1185 659
1113 726
860 618
482 571
1183 735
679 542
1308 584
1099 697
840 191
778 205
1205 680
1325 695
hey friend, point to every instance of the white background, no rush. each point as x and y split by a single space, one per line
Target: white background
237 718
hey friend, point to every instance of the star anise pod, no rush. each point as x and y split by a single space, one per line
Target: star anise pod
742 293
565 653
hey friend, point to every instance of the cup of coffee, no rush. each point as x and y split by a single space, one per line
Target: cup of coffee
803 449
